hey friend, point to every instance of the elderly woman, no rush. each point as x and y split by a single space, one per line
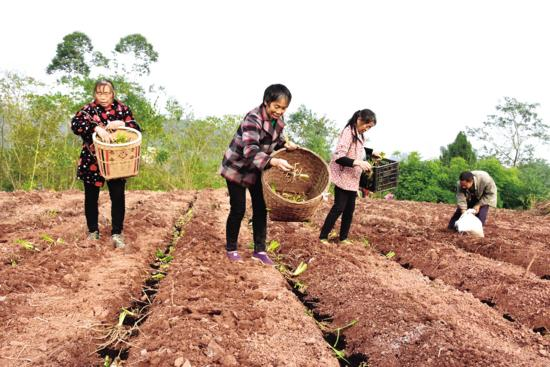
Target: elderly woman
102 114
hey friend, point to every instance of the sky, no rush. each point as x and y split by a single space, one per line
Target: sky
426 68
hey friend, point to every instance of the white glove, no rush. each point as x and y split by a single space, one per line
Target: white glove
280 163
113 125
471 211
103 134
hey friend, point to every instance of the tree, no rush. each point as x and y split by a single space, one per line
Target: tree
75 55
312 132
461 147
143 51
535 179
510 134
423 181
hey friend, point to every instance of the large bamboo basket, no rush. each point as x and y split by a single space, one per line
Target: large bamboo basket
282 209
119 160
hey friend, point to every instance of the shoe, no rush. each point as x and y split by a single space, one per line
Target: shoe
346 242
93 236
262 256
324 241
234 256
118 241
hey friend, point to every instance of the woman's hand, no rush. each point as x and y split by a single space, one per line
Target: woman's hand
290 145
365 166
113 125
281 164
103 134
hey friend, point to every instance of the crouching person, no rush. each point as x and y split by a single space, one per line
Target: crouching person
476 191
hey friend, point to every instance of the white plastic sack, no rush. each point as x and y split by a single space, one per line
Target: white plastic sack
469 223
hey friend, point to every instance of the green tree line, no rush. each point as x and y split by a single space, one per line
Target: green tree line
39 151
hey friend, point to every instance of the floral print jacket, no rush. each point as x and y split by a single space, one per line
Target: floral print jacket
84 123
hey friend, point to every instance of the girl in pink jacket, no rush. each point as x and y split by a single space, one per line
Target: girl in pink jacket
345 171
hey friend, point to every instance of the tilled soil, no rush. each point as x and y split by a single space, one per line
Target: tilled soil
441 300
55 300
417 234
216 313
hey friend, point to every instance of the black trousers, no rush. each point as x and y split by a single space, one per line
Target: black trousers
91 196
344 204
237 200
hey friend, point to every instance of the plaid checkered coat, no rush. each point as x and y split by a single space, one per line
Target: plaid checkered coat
248 153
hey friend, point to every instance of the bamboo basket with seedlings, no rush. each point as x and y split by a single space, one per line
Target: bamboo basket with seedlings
119 158
294 196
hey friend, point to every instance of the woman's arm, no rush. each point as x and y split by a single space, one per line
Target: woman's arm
84 124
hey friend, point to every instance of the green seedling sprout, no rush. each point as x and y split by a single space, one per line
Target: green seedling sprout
27 245
107 361
123 315
158 276
48 239
250 245
300 286
390 254
341 354
300 269
273 246
366 243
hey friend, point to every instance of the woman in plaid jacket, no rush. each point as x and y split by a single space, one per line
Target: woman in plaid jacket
260 133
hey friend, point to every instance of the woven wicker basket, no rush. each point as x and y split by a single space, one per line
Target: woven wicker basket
282 209
119 160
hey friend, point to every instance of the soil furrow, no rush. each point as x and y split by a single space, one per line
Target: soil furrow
53 304
404 319
516 293
213 312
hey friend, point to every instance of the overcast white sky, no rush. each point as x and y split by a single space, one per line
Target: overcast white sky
426 68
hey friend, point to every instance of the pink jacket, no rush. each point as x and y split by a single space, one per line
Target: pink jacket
346 178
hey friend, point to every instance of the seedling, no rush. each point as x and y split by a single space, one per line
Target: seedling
296 173
300 286
273 246
49 240
107 361
366 243
300 269
118 138
295 197
52 212
27 245
163 258
390 254
118 333
341 354
158 276
250 245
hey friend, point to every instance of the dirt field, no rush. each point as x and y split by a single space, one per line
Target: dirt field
436 299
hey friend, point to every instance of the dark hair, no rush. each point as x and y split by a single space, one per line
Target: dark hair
365 115
466 176
102 82
276 91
